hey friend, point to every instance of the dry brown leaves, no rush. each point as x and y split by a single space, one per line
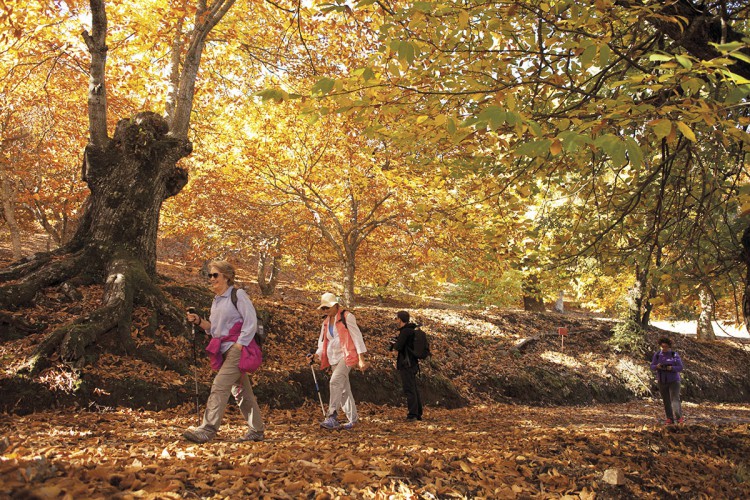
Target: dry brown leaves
498 451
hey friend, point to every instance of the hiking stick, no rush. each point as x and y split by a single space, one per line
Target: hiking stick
195 371
317 389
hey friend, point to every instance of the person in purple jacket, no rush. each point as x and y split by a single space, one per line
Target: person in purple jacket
668 365
234 328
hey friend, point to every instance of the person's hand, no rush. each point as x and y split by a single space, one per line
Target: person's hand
194 318
362 364
238 346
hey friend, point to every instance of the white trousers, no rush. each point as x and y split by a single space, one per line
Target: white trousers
341 393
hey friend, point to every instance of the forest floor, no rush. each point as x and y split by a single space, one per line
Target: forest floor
512 411
482 451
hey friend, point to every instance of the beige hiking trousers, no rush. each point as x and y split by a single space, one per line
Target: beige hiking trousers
230 379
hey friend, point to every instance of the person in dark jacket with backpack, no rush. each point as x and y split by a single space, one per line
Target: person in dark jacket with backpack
407 364
667 365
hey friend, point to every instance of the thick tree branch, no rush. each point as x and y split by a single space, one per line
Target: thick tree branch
97 98
205 20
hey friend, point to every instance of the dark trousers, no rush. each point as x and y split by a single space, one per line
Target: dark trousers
413 399
670 394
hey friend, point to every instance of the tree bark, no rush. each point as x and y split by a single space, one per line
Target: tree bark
269 257
636 296
705 328
349 273
694 28
129 181
9 215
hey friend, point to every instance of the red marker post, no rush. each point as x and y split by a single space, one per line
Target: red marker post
563 332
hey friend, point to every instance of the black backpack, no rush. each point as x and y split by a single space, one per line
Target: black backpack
260 335
421 349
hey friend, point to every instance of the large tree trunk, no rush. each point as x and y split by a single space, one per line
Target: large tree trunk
269 267
705 328
130 176
636 297
129 180
9 215
349 272
115 243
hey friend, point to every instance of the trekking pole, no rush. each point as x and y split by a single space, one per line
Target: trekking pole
317 389
191 310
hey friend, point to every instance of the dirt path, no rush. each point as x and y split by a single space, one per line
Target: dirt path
494 451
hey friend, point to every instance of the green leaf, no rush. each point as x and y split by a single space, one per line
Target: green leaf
572 141
660 57
737 94
741 56
635 154
728 47
739 80
323 86
406 52
534 148
494 114
684 61
451 126
604 54
662 127
423 6
271 95
613 147
588 55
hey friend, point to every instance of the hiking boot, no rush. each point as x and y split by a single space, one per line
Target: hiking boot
330 423
252 435
668 421
347 426
681 420
197 435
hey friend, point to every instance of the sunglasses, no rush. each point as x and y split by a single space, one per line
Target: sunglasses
214 275
324 308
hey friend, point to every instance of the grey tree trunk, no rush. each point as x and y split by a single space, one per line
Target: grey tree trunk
705 328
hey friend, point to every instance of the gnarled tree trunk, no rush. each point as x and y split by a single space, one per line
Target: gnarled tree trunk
129 175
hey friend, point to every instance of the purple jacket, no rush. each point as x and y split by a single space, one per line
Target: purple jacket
250 358
669 358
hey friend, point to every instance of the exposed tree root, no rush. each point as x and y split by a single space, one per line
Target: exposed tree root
12 327
52 272
127 284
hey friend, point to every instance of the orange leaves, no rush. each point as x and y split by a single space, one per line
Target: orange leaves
140 454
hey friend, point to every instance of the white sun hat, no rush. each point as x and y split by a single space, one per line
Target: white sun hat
328 300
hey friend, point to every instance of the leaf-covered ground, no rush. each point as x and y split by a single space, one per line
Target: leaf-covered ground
492 446
493 451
